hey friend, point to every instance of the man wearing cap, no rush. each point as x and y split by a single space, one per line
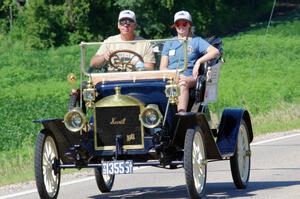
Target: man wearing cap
199 51
126 25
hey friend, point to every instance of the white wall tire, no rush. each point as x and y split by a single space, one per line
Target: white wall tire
46 153
104 182
195 163
241 161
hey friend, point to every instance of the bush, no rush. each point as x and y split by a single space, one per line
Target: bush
43 24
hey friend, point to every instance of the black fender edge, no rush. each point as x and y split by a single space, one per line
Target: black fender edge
229 128
191 120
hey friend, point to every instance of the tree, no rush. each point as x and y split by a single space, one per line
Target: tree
46 23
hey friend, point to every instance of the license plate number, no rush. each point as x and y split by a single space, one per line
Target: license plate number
117 167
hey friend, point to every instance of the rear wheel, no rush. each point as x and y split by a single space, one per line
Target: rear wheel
195 163
46 156
240 162
104 182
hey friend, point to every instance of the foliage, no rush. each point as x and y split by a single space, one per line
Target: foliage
76 20
43 24
5 15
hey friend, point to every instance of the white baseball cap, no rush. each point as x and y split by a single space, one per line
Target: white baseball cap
182 15
127 14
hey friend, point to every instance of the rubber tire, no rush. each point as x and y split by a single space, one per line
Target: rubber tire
234 162
38 166
102 186
188 163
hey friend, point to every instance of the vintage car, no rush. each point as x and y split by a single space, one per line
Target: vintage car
123 116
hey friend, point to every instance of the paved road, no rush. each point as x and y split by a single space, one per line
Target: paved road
275 173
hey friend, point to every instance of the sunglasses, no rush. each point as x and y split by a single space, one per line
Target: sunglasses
184 24
124 22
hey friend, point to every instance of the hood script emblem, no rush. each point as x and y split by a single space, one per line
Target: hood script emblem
130 137
114 121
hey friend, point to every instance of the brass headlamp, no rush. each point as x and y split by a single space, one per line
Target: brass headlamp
75 120
150 116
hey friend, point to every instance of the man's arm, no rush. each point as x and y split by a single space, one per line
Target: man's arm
98 60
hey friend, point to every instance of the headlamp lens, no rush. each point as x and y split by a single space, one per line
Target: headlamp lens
172 90
151 117
89 94
76 120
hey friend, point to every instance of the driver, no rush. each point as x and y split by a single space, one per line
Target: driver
126 25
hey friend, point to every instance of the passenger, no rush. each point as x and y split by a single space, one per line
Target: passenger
126 25
172 54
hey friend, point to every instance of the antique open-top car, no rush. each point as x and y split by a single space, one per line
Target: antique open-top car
122 116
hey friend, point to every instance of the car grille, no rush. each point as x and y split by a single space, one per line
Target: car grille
113 121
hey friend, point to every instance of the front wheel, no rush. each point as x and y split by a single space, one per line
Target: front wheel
240 162
104 182
46 156
195 163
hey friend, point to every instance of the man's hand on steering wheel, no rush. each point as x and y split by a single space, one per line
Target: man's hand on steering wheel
119 63
107 55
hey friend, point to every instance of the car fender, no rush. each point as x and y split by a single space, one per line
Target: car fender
191 120
229 128
64 138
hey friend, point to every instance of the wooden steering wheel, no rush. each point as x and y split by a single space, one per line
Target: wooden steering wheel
118 62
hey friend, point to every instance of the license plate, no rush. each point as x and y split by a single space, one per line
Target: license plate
117 167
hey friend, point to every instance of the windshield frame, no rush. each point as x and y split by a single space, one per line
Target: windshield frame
134 75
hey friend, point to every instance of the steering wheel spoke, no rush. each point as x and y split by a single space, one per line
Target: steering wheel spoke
118 62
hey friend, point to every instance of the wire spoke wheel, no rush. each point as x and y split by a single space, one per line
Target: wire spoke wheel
195 164
104 182
240 162
47 179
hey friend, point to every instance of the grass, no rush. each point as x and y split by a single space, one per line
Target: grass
261 74
285 117
260 83
16 165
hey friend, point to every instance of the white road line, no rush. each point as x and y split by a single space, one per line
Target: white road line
77 181
19 194
92 178
275 139
35 190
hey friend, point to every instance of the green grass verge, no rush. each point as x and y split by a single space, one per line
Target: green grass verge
285 117
16 166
